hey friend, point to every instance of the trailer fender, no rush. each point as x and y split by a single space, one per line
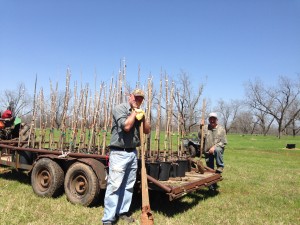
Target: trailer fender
96 165
98 168
49 156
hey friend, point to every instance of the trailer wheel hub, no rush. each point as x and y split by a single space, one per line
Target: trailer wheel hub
81 184
44 178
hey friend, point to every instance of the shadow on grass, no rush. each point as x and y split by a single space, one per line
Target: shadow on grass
12 174
159 201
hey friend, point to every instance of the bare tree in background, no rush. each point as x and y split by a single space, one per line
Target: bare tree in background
263 120
187 103
276 101
252 121
18 99
295 124
244 123
228 112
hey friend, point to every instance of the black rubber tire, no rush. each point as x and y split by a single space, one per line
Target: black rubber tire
192 151
26 157
15 131
81 185
47 178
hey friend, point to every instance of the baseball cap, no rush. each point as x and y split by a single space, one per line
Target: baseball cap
138 92
213 114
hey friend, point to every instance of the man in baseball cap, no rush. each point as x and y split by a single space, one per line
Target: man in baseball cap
213 114
123 161
138 92
214 142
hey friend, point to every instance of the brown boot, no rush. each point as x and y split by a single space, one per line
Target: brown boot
219 170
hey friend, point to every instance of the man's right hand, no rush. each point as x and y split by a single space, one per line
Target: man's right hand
211 150
139 114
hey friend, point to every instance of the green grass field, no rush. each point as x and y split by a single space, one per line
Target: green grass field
261 186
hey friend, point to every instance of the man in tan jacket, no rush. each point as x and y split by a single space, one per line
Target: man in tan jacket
214 142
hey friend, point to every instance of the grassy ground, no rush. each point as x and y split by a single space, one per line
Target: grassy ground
261 186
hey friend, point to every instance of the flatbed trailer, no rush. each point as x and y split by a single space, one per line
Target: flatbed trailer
82 176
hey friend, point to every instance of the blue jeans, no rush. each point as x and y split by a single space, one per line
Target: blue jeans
218 155
121 179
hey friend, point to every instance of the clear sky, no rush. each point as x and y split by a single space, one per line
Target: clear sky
227 41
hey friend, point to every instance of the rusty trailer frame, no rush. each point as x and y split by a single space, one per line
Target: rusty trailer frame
174 187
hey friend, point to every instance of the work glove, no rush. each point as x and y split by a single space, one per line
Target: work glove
139 114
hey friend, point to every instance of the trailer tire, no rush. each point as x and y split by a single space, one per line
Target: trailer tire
26 157
47 178
81 185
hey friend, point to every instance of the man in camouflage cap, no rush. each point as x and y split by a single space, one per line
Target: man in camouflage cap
214 142
138 92
123 163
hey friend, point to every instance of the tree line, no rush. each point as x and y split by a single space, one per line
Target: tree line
266 109
173 105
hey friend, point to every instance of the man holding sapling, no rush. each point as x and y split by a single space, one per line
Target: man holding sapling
214 142
125 137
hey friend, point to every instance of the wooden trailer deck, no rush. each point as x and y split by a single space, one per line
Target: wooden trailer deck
179 186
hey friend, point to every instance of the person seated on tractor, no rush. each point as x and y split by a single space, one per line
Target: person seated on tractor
7 124
7 114
7 117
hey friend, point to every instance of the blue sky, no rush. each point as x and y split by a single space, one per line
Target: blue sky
229 42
